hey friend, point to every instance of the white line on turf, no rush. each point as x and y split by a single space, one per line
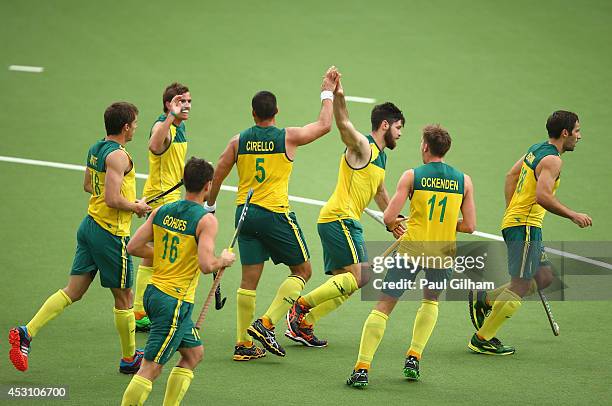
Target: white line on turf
374 213
29 69
358 99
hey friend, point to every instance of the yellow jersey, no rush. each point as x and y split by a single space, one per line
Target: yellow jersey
115 221
523 208
263 165
355 187
166 169
176 269
435 206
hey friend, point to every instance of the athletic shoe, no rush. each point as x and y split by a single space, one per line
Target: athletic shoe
306 336
295 315
489 347
411 368
131 367
19 339
266 337
244 353
358 379
479 309
143 324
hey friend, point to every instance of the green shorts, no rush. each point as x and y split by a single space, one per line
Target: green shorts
395 275
97 249
343 244
266 234
525 251
171 325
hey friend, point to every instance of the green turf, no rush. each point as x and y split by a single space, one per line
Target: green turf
490 73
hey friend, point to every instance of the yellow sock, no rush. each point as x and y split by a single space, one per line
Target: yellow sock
505 306
424 323
317 312
126 324
371 336
178 383
143 278
494 294
245 312
137 391
54 305
287 293
343 284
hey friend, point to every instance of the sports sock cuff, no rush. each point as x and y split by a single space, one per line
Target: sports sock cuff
182 371
379 314
143 381
510 293
431 302
354 283
145 268
61 291
302 281
123 311
246 292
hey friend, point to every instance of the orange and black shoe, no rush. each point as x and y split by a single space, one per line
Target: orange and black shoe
306 337
266 337
19 339
244 353
295 315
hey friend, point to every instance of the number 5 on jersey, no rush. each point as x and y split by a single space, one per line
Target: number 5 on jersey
261 172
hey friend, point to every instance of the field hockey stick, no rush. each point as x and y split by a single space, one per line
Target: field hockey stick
378 217
219 303
162 194
551 319
217 279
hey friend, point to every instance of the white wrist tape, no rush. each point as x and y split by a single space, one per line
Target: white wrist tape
327 94
210 209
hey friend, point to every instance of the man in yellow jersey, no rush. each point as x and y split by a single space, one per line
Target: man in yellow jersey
167 150
101 240
184 245
264 156
438 193
530 191
360 179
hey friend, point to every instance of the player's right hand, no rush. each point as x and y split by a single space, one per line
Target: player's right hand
330 79
582 220
141 208
176 105
227 258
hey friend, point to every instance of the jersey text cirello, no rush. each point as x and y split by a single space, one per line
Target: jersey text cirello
260 146
177 224
440 183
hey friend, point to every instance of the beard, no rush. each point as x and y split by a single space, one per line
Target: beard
389 140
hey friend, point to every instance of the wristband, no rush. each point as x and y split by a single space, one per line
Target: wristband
327 94
399 216
210 209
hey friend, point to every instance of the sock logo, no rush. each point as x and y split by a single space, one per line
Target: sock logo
289 300
339 287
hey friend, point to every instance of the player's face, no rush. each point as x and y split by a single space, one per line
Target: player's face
131 129
572 138
185 106
393 134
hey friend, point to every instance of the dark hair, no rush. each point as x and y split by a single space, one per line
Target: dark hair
386 111
198 172
560 120
117 115
172 90
264 105
438 139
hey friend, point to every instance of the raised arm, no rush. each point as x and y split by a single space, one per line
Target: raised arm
207 232
224 167
138 243
355 141
160 133
548 171
468 208
117 163
297 136
512 179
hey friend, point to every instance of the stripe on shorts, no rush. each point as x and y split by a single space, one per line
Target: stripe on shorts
296 231
173 327
123 263
525 249
350 241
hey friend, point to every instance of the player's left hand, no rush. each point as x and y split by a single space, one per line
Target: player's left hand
397 228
